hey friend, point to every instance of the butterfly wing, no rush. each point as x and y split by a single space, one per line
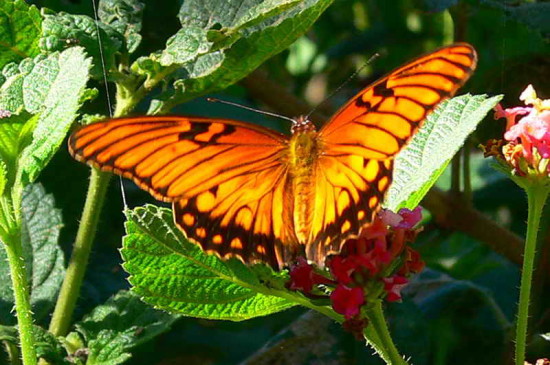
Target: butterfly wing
361 139
226 179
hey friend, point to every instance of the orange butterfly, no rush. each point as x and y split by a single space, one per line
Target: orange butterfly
241 190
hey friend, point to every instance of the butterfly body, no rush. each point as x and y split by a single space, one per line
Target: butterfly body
304 150
245 191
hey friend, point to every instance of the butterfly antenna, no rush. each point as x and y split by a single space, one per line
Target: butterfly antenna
352 76
214 100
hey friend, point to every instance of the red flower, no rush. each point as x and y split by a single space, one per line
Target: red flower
303 277
393 287
347 301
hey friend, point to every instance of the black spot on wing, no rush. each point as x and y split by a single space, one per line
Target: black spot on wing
382 90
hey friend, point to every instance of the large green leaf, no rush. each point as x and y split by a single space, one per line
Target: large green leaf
43 257
125 17
101 41
222 42
53 88
171 273
420 164
111 330
19 31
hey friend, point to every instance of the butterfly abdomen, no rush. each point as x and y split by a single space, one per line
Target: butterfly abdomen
303 155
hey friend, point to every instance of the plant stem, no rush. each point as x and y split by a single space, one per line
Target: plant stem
70 289
21 291
536 197
376 318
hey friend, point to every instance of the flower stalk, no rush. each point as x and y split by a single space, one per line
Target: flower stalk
536 197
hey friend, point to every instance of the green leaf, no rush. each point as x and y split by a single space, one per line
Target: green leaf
62 30
49 347
171 273
125 17
200 19
184 46
19 31
216 58
54 88
12 132
420 164
123 322
9 334
41 223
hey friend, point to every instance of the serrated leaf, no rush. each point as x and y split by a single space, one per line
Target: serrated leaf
62 30
419 165
12 130
60 81
245 38
20 26
48 347
171 273
199 18
184 46
123 322
41 223
125 17
9 334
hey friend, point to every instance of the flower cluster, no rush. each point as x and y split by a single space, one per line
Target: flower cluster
526 144
373 266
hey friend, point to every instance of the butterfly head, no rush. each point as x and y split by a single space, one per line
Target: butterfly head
302 124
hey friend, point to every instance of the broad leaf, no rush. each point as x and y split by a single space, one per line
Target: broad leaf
62 30
123 322
19 31
125 17
215 49
171 273
419 165
54 88
43 257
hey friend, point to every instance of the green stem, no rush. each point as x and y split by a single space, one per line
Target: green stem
390 354
536 197
21 291
70 289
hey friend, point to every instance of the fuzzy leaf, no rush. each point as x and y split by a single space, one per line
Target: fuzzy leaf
44 258
171 273
222 42
123 322
19 31
125 17
421 163
61 31
54 88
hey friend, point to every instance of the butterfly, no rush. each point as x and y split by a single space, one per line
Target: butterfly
242 190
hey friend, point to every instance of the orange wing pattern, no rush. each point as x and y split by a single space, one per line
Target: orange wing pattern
225 178
233 184
362 138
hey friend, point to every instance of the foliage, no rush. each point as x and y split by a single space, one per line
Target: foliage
59 63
